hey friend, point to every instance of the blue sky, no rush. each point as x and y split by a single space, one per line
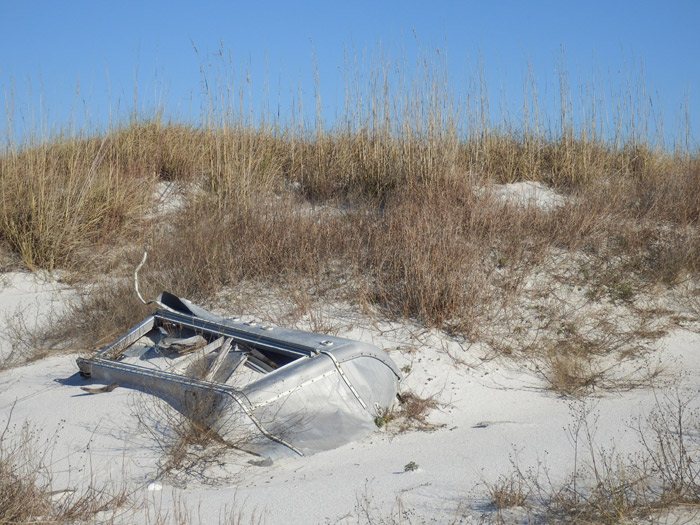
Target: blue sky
72 58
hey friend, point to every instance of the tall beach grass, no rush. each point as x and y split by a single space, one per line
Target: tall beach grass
391 199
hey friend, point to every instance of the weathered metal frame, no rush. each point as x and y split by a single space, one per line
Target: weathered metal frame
106 365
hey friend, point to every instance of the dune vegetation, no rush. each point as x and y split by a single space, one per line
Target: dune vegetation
395 208
392 202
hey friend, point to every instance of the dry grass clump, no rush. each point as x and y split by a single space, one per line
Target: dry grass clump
61 197
442 253
64 198
424 257
571 375
411 413
508 491
266 242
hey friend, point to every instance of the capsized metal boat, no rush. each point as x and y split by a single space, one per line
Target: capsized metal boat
270 390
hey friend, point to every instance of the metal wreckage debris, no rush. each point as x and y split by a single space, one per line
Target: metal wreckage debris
279 391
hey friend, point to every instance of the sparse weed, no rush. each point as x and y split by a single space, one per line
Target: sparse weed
606 487
27 493
571 374
508 491
380 421
411 413
410 466
192 450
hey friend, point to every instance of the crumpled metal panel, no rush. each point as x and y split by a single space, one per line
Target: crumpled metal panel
328 395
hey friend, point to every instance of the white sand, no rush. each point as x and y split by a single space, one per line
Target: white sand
493 414
528 193
29 298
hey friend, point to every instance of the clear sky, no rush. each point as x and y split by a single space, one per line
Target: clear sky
62 57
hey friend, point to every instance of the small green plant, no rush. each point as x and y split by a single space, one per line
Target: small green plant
622 291
406 369
410 466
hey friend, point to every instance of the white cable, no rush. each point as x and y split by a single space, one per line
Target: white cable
136 283
136 276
